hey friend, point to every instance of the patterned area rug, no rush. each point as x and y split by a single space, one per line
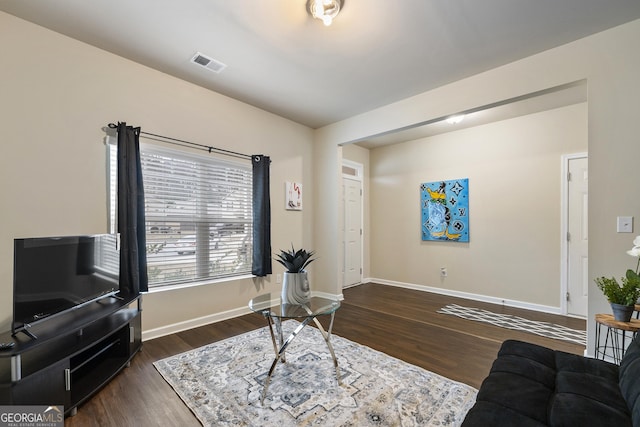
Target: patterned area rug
222 384
545 329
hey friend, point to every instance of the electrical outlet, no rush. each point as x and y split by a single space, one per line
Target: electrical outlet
278 278
443 271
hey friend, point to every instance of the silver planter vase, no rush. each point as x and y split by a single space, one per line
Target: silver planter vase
295 288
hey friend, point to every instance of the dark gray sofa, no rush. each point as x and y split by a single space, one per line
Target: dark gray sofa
531 385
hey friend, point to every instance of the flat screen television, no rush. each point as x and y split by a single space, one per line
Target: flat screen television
52 275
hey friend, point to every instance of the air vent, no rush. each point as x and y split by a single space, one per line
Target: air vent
208 63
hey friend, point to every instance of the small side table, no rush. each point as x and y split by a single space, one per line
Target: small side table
614 343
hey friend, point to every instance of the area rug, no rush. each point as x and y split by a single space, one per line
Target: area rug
545 329
222 384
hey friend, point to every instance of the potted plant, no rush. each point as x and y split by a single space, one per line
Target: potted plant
624 295
295 283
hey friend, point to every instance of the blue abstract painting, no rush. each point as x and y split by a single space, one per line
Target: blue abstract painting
445 210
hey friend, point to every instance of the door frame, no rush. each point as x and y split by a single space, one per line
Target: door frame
357 170
564 227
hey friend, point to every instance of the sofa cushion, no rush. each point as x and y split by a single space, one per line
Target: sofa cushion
531 385
569 409
521 382
534 352
567 362
629 379
589 380
525 368
586 399
488 414
528 397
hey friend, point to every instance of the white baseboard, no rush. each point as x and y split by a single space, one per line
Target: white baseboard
339 297
193 323
212 318
470 296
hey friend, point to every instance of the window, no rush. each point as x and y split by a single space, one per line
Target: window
198 215
106 257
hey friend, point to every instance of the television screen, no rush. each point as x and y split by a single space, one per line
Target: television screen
55 274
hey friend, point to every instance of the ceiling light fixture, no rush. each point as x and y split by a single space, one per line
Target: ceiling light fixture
325 10
454 120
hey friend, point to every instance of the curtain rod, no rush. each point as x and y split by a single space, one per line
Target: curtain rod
180 142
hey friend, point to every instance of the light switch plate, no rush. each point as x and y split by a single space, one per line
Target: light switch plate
625 224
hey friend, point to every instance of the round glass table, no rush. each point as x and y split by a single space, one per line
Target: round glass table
274 310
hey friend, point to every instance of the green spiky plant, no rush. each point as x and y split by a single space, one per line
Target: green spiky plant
295 261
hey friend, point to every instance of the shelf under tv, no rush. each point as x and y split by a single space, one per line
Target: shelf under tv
75 354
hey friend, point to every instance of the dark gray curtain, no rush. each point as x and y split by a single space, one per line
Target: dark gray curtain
261 265
131 221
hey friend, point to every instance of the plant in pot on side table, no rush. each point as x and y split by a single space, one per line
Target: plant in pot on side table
295 284
624 296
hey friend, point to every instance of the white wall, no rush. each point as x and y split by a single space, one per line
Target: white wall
57 94
514 173
609 61
53 177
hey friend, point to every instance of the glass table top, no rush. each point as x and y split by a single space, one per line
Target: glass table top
271 305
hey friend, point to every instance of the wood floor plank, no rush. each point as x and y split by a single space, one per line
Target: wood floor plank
402 323
422 307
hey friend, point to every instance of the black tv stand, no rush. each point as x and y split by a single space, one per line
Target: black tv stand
69 357
25 331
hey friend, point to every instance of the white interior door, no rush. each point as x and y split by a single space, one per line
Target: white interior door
577 237
352 231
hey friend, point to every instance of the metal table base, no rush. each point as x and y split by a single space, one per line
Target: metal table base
280 351
275 311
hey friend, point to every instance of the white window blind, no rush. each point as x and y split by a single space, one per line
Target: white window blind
106 254
198 215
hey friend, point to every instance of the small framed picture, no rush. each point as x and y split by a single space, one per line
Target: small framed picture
293 196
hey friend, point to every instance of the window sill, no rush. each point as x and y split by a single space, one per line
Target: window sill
153 290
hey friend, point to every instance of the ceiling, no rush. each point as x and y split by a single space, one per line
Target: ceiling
281 60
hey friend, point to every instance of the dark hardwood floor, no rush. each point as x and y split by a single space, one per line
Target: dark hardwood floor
400 322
